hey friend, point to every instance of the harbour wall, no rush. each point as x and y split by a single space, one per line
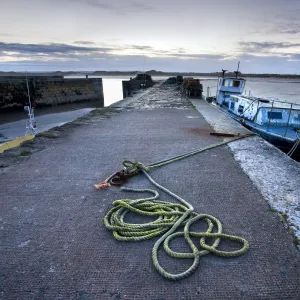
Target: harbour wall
48 91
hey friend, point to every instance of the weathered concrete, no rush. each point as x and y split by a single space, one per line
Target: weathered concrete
276 175
55 246
48 91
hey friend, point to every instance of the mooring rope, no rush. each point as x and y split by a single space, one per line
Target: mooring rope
170 217
295 146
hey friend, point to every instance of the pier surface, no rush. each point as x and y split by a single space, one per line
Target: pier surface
53 243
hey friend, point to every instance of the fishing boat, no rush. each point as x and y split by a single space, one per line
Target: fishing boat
276 121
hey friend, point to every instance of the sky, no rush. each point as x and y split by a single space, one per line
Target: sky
166 35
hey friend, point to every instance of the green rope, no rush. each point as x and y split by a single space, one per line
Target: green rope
170 216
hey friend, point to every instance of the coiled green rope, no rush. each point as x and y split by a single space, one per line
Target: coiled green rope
170 217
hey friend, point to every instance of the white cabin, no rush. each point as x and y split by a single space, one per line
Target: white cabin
265 112
228 86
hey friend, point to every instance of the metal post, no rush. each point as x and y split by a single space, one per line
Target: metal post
218 89
287 124
270 116
28 93
31 124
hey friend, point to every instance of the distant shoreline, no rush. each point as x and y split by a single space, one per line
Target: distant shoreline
152 73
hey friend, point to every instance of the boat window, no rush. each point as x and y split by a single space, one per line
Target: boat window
232 105
241 109
274 115
235 83
225 82
297 116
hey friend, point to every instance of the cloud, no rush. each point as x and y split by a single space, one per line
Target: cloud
287 50
102 5
266 46
140 62
287 23
144 57
290 29
48 48
118 57
140 47
83 43
54 51
142 6
123 7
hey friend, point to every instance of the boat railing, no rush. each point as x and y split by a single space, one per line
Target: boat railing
287 124
280 101
245 93
270 116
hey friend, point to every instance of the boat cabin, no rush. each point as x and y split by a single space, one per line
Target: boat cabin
228 86
265 112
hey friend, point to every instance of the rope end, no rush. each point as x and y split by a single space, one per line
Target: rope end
102 185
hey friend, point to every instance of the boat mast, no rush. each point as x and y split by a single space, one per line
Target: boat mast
237 71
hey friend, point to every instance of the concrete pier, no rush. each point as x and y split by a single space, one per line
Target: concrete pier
53 241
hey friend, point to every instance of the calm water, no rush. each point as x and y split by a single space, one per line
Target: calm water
283 89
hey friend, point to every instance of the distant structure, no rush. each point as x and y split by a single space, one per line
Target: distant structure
141 80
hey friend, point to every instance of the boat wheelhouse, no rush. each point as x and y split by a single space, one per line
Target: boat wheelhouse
228 86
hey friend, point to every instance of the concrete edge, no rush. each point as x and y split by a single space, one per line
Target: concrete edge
15 143
54 132
275 175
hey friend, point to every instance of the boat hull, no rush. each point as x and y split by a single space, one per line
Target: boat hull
281 142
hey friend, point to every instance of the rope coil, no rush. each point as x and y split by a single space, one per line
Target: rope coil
170 217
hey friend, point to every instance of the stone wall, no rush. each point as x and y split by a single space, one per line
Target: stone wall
48 91
141 81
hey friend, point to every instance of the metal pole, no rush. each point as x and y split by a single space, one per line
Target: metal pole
287 124
32 125
28 93
218 88
270 116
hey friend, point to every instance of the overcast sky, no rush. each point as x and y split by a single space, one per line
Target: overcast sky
167 35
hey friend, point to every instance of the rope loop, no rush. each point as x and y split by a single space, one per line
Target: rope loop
170 217
133 168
